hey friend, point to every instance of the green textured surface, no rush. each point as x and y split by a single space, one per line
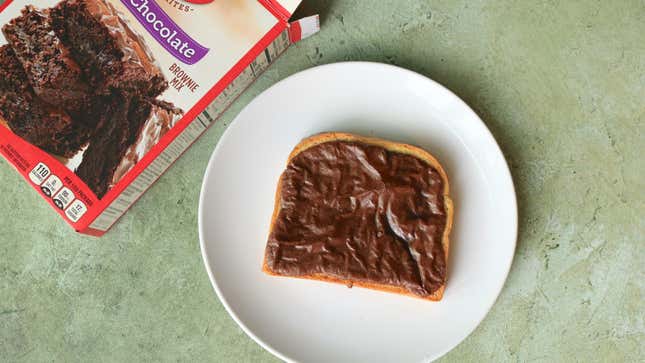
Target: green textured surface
561 84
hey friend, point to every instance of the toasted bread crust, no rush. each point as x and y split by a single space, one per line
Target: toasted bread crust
390 146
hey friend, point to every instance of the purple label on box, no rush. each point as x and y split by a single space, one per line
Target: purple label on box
166 31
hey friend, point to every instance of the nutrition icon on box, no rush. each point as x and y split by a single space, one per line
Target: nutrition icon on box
51 186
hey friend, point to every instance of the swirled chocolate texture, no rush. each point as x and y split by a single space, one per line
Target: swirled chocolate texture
359 213
111 53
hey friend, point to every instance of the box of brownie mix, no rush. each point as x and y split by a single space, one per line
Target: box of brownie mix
99 97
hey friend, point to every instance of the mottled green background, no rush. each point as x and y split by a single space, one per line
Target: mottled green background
560 83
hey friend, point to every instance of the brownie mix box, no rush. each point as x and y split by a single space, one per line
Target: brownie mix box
99 97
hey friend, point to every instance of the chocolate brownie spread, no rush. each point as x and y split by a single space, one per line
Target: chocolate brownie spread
112 55
53 74
41 124
360 213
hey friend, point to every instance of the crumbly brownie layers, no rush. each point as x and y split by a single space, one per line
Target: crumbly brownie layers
111 54
111 141
162 118
43 125
56 78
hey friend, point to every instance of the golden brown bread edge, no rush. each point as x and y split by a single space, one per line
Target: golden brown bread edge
390 146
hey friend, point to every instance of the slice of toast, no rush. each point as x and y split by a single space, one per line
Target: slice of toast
320 273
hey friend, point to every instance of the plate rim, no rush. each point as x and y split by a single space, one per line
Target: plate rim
387 68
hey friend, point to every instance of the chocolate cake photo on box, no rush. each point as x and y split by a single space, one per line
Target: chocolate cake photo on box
79 83
53 74
32 118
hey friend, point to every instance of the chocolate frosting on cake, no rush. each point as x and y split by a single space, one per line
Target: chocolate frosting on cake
129 42
110 52
162 118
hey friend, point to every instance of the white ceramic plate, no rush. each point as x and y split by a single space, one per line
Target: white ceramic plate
309 321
